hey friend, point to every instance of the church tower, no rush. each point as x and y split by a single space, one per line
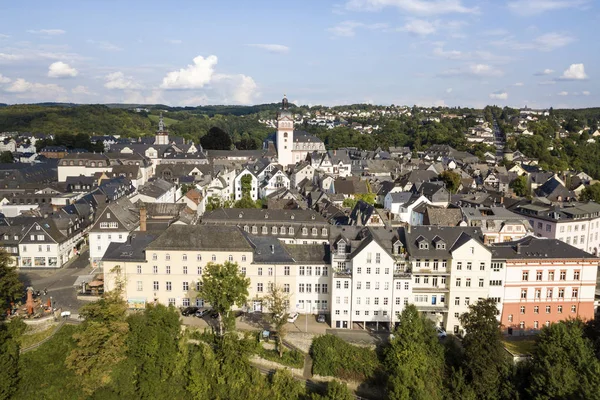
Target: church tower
285 135
162 134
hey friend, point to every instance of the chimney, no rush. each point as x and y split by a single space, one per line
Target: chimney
143 216
518 248
501 199
272 249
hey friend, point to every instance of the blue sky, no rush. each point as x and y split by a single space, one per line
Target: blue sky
538 53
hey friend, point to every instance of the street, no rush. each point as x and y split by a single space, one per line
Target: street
59 283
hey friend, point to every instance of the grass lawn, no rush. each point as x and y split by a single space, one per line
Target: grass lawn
518 347
291 358
27 340
168 121
42 371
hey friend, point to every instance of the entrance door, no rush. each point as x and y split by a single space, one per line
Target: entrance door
345 324
257 305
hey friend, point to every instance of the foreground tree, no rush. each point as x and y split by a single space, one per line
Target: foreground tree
9 361
277 301
223 286
336 390
6 157
414 360
284 386
11 288
564 365
100 343
451 179
519 186
486 364
591 192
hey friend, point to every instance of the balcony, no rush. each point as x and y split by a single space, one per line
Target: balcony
430 289
402 272
342 273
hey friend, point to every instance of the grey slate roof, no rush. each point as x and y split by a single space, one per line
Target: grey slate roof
450 235
531 247
134 249
201 237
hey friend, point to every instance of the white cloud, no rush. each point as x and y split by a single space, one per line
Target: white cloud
547 42
217 87
449 90
23 86
47 32
419 7
271 48
451 54
484 70
118 80
3 36
80 90
60 69
496 32
237 88
547 71
174 41
4 79
348 28
551 41
474 70
500 95
419 27
585 93
104 45
575 72
563 93
533 7
519 84
194 76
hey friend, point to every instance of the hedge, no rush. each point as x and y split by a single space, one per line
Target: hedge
332 356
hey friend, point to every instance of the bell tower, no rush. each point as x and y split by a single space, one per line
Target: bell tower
285 134
162 134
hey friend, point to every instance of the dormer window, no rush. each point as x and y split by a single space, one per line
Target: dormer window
264 230
397 247
440 246
314 231
324 231
282 230
254 229
274 230
341 247
305 231
291 230
241 215
423 245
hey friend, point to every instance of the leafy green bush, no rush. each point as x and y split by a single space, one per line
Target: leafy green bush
292 358
334 357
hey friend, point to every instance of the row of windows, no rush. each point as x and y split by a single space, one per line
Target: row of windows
39 248
468 282
307 288
434 280
185 286
184 257
549 292
366 313
307 271
469 266
436 264
539 275
536 310
386 271
104 225
377 258
283 230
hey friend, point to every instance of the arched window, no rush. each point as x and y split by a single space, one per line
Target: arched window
214 258
285 135
314 231
282 230
274 230
167 257
154 257
291 230
264 230
305 231
184 257
230 257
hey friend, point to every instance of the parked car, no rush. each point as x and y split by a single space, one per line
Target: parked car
441 332
293 317
201 313
189 311
321 318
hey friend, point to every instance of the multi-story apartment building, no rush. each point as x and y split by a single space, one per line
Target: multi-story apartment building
371 283
168 268
50 242
450 271
113 225
577 224
545 281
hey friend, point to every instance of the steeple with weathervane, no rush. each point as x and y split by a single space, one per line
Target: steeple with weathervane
162 134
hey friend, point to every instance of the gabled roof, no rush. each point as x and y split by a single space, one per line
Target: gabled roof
531 247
